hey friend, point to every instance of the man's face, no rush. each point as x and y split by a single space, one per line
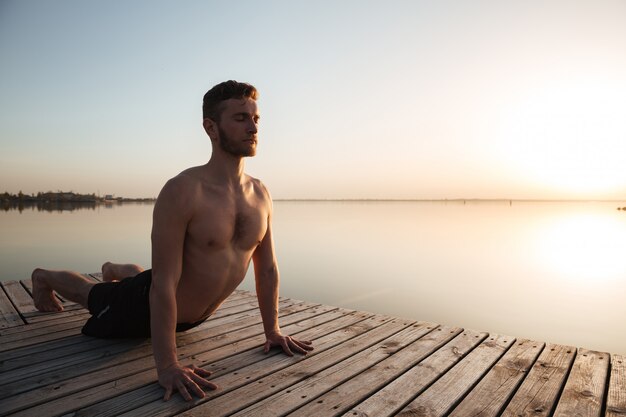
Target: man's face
238 127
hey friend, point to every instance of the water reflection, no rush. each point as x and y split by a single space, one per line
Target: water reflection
50 206
80 239
541 270
546 271
61 206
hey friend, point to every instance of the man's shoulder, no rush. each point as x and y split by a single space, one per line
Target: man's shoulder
255 181
181 187
259 188
191 177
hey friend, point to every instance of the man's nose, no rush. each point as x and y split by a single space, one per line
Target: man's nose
252 127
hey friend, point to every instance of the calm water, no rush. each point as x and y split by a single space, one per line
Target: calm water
549 271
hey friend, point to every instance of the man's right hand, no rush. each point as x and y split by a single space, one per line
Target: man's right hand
184 379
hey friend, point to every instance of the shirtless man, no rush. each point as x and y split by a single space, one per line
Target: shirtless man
208 223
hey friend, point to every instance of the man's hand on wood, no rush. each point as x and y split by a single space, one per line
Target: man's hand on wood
184 379
287 343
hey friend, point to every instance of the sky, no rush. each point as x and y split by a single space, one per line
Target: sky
358 99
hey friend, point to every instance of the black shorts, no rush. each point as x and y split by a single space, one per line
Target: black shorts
121 309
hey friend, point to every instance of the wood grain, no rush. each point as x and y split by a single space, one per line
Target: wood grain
493 392
584 390
363 364
538 394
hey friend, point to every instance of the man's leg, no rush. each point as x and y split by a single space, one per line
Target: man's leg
70 285
117 272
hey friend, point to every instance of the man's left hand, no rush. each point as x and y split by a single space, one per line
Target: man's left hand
288 344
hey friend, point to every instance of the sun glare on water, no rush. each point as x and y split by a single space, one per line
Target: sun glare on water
586 247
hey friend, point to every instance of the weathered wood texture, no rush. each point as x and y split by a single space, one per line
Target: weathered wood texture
9 317
363 364
616 401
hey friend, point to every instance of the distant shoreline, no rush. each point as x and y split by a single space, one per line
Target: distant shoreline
65 197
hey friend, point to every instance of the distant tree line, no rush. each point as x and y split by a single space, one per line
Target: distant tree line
50 197
62 201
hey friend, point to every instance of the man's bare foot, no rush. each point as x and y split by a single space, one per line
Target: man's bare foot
108 272
43 296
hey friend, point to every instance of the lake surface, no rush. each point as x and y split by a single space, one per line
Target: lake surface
550 271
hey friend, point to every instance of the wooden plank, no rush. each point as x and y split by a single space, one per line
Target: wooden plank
66 367
616 399
65 372
584 391
15 341
33 352
150 396
296 395
233 376
394 396
43 350
42 316
20 297
26 332
39 326
493 392
29 377
243 319
28 284
540 390
141 390
448 390
38 349
9 317
245 304
323 334
82 345
343 397
135 360
117 389
37 372
304 368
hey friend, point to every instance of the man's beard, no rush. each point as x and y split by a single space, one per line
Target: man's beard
234 148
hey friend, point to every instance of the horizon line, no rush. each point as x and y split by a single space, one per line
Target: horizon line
366 199
565 200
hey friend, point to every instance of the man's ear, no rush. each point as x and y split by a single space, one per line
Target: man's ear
210 127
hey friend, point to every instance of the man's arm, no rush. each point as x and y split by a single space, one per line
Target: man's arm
171 216
267 280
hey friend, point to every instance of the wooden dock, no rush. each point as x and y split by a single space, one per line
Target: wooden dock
364 364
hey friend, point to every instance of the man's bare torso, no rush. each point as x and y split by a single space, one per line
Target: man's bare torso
225 227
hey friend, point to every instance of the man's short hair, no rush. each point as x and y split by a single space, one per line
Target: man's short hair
211 104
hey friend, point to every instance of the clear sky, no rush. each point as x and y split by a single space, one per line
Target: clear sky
358 99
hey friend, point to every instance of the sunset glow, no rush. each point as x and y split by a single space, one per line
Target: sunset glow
569 137
400 100
584 247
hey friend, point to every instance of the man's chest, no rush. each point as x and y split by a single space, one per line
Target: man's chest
240 226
